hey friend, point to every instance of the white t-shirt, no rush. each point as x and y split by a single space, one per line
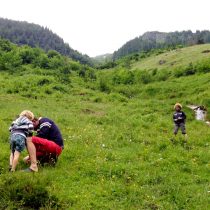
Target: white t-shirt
199 114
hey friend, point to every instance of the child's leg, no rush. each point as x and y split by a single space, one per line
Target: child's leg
183 129
27 159
182 126
15 160
12 147
32 153
176 128
11 160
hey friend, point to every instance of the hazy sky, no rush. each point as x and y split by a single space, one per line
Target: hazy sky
96 27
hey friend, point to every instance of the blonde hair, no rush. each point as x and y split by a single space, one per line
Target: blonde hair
27 114
177 104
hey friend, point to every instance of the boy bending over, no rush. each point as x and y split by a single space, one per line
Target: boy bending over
20 129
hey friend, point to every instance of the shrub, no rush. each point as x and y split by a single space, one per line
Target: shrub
162 75
52 53
189 70
178 72
43 81
117 97
64 79
97 99
203 67
59 88
48 91
123 76
82 73
75 66
90 74
143 77
23 192
65 69
10 61
5 45
55 62
103 86
128 91
42 61
27 55
154 72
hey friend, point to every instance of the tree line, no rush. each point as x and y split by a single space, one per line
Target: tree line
160 40
23 33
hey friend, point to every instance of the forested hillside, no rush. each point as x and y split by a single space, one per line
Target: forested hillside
158 40
23 33
16 59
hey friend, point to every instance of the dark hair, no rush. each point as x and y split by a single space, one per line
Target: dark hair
202 107
35 119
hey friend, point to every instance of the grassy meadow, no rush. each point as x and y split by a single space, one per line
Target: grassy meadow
175 58
118 153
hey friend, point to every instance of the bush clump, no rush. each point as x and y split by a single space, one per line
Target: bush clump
24 192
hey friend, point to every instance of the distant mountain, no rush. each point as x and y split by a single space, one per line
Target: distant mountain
23 33
157 40
102 58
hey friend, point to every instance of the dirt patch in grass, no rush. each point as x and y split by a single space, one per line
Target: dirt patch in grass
206 51
92 112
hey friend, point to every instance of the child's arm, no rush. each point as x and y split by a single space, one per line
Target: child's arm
30 129
174 118
10 128
184 116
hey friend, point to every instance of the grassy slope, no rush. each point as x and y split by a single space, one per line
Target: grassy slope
117 152
175 58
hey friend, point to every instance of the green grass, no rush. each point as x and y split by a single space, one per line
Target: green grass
118 153
174 58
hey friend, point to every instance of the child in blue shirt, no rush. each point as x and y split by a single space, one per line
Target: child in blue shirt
179 118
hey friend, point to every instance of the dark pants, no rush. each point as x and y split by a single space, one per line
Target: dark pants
181 126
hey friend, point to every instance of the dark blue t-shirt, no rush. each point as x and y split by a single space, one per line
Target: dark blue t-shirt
179 117
47 129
